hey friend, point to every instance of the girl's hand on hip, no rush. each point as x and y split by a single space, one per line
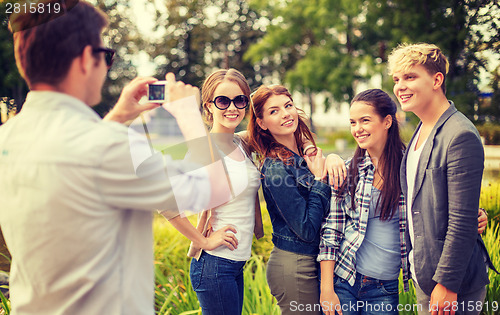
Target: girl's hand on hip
222 237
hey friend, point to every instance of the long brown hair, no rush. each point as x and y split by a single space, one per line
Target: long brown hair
262 141
390 160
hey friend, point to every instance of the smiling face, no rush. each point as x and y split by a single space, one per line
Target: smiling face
415 88
368 128
280 117
226 120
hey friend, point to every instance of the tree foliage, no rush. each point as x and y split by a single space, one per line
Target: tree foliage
202 35
13 89
330 46
490 109
123 36
316 46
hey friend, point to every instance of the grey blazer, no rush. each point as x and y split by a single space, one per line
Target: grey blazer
447 248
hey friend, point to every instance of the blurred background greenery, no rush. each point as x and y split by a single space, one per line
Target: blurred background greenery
328 47
331 48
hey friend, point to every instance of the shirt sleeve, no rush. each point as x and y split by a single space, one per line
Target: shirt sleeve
332 229
132 176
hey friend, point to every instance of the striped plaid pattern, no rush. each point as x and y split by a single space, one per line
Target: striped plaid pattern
344 229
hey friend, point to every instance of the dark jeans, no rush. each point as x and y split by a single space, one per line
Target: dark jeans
218 283
367 296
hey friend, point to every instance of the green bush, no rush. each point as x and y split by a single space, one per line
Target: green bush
491 240
173 293
407 299
327 140
490 200
490 133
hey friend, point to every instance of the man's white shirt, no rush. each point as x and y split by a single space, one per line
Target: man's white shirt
76 216
411 173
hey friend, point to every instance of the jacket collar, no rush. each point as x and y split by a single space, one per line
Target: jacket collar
366 163
297 160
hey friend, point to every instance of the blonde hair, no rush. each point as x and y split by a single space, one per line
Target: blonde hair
406 56
212 82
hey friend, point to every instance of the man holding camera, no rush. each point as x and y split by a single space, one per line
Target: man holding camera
76 214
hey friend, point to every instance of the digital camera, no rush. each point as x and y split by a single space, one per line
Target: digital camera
157 92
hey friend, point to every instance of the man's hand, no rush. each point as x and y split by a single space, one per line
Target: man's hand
330 302
443 301
179 98
128 107
482 221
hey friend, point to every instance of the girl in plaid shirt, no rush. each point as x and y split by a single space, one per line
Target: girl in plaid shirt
363 241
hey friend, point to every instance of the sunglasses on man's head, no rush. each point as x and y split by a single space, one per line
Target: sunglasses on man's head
223 102
109 55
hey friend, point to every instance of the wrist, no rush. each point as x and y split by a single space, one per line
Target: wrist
311 149
202 243
327 288
113 116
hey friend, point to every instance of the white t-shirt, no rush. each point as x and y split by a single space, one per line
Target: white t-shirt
411 173
75 216
239 212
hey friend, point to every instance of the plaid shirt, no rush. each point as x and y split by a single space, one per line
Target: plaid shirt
344 229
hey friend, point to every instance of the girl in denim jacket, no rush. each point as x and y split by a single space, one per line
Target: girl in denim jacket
296 196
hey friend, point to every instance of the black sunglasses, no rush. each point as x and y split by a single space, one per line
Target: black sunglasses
109 55
222 102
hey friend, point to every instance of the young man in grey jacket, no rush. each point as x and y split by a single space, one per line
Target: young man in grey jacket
441 176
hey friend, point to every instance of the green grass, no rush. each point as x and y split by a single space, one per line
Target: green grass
4 304
174 295
176 288
176 151
490 200
491 239
407 299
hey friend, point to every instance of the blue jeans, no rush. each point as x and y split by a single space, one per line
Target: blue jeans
218 283
367 296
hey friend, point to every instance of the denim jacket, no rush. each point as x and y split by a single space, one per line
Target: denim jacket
296 204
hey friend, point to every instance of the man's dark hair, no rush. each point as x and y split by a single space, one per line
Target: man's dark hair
45 43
